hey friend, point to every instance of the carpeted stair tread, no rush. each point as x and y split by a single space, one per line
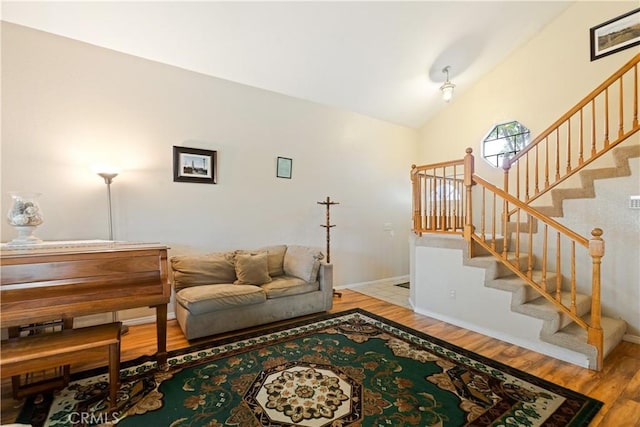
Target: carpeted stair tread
515 284
479 250
512 226
587 177
574 337
541 308
486 261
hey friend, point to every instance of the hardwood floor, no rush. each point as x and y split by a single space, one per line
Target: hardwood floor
618 385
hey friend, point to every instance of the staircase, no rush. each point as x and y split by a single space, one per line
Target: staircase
552 326
552 272
557 328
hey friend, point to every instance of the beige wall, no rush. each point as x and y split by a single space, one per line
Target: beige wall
68 105
536 85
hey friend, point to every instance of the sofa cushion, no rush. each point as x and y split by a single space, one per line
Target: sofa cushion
194 270
252 268
208 298
302 262
283 286
275 258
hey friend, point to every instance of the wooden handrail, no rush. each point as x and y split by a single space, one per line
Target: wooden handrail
415 169
559 152
534 213
579 106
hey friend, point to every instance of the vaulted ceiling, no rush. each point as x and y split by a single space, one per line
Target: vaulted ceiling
381 59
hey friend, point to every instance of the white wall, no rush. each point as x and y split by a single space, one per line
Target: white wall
67 105
536 85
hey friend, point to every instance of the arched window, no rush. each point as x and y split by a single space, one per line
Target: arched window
504 140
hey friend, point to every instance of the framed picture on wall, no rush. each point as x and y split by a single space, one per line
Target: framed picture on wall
283 169
194 165
615 35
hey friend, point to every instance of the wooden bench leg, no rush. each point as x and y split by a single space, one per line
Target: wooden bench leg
114 373
15 386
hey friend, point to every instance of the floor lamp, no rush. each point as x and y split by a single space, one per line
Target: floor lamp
108 179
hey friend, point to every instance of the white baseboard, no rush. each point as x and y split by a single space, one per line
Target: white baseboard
540 347
388 281
631 338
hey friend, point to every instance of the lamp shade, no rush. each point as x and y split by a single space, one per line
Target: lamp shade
108 176
447 90
447 86
106 171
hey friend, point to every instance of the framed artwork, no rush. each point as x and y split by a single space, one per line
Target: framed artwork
194 165
283 170
615 35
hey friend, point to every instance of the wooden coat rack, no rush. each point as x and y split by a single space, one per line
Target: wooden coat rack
328 203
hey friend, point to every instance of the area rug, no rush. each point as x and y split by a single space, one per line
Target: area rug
351 368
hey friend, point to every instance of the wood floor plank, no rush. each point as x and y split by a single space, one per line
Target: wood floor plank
623 413
618 385
632 390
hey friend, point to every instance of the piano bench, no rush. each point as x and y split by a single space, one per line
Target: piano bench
51 350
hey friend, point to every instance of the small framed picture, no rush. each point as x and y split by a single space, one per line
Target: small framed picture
615 35
283 170
194 165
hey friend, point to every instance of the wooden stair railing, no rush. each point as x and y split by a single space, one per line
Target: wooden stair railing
436 209
439 197
555 238
599 122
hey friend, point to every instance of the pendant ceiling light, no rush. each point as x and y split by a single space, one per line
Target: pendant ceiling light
447 86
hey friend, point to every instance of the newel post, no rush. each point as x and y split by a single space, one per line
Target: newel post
596 251
506 165
468 182
415 186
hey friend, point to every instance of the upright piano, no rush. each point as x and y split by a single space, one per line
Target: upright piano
62 280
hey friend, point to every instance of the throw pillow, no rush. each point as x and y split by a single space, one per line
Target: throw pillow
194 270
302 262
252 268
275 256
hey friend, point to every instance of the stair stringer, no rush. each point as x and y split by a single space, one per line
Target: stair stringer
586 190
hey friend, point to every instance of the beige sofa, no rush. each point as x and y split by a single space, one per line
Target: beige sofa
226 291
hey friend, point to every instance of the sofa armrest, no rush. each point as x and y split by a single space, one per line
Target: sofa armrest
325 279
325 276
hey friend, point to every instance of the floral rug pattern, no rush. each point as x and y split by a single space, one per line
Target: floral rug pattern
351 368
